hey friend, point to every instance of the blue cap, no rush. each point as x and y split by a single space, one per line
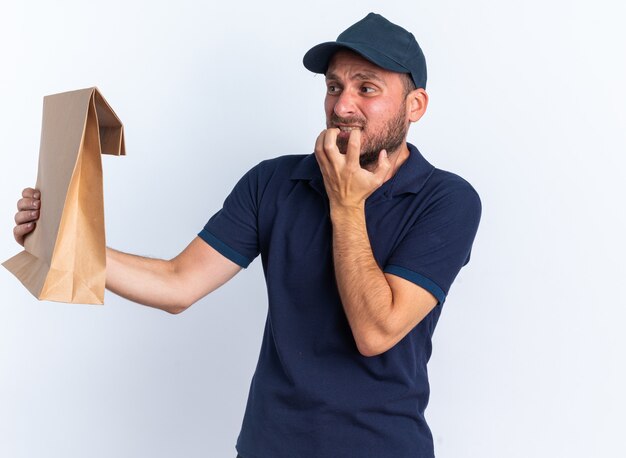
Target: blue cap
381 42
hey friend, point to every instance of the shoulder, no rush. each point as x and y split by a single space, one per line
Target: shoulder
454 196
446 180
278 168
282 164
271 176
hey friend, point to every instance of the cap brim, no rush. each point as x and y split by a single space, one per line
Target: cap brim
318 57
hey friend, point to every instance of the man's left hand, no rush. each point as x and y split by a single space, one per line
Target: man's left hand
347 183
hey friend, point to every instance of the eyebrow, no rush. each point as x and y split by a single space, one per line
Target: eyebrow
361 76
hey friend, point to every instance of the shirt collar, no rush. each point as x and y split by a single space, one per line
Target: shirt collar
410 177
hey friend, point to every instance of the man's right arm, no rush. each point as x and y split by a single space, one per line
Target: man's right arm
171 285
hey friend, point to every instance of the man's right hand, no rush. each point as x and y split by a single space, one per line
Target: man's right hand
27 215
167 285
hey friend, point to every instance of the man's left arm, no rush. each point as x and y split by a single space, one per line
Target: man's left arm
381 308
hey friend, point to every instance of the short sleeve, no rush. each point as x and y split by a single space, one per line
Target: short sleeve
233 230
440 241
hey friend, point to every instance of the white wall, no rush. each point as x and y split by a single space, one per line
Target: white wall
527 103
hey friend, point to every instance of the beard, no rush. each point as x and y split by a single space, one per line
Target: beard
389 138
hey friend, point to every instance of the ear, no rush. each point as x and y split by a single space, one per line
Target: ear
417 101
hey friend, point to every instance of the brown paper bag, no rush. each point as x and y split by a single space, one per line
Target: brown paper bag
64 257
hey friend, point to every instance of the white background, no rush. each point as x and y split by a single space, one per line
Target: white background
527 103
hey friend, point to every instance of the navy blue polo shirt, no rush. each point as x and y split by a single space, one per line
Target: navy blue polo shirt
313 395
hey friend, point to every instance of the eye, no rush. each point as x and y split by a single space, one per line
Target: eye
332 89
367 89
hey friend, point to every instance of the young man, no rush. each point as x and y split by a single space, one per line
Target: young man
360 243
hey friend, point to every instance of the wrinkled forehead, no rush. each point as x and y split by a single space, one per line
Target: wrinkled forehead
347 61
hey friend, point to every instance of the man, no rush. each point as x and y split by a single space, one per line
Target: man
360 243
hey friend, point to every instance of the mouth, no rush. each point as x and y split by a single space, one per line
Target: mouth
348 128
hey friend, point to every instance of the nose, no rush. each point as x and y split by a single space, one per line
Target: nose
345 104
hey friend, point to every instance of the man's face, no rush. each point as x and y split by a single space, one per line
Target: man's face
362 95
